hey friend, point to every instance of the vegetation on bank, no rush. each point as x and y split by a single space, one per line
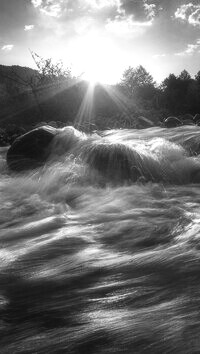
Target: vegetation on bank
52 95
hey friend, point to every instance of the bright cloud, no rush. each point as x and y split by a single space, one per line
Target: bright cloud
54 10
36 3
156 56
100 4
194 18
190 13
28 27
51 8
7 47
150 11
139 9
61 8
108 9
190 50
126 26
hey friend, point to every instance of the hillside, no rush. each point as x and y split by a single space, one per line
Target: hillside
25 103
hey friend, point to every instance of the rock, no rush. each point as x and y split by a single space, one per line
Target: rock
172 122
144 123
40 124
31 149
117 162
188 122
195 177
196 118
53 124
187 116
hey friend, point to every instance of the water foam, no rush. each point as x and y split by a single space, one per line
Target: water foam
91 266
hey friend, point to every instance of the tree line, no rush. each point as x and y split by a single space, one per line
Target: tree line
52 93
176 95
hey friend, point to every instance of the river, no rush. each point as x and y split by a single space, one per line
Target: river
95 262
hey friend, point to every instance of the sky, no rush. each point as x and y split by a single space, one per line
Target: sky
101 38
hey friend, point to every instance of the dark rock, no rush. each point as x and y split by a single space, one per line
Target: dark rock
195 176
196 118
53 124
143 123
40 124
187 116
31 149
188 122
116 162
172 122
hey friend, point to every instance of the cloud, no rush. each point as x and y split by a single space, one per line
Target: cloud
190 50
156 56
194 18
122 18
28 27
7 47
126 26
133 18
36 3
50 5
99 9
100 4
53 8
150 11
141 10
189 13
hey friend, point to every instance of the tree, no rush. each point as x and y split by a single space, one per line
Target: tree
197 78
49 77
179 93
50 73
138 83
169 88
136 77
185 76
169 83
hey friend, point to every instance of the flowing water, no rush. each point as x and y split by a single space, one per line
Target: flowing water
99 255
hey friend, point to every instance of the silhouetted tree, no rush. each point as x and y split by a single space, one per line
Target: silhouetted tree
49 73
48 77
138 82
179 93
197 76
184 75
169 90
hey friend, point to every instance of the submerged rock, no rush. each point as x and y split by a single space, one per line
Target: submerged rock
188 122
187 116
31 149
117 162
144 123
196 118
172 122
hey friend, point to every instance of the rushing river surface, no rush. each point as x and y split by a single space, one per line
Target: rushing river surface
92 261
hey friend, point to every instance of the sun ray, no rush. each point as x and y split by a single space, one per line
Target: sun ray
85 115
124 104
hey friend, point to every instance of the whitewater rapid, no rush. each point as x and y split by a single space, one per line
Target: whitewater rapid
94 264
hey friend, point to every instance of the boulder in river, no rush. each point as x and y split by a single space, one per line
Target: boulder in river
188 122
187 119
30 150
143 122
196 118
172 122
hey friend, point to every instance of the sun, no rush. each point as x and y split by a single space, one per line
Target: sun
95 75
97 58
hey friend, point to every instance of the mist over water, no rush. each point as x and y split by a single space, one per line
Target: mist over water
100 246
